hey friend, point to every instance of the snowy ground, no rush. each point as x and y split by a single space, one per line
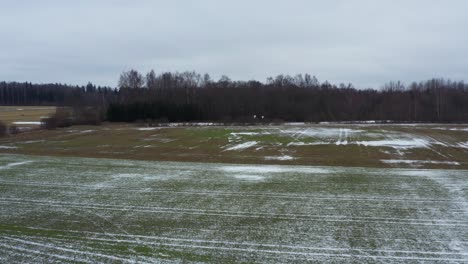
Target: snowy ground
386 139
57 210
313 136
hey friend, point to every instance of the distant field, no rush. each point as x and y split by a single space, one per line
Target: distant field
24 115
61 209
358 145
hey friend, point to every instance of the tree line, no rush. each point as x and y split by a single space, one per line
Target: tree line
53 94
189 96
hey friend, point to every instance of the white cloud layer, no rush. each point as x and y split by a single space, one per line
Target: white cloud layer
365 42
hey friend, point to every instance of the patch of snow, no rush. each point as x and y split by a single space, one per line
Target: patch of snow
419 162
126 175
451 129
204 124
237 136
191 124
396 143
27 123
252 169
249 177
18 163
244 145
320 132
8 147
463 144
420 172
80 131
147 128
294 124
440 143
307 144
245 133
343 140
118 178
284 157
143 146
31 141
267 169
357 122
9 165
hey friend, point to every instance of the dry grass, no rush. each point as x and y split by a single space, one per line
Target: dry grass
10 114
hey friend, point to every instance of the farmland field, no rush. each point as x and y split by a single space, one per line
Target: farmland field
291 193
25 116
24 113
434 146
68 209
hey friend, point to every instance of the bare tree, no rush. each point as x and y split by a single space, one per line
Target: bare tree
206 80
394 86
151 80
131 79
299 80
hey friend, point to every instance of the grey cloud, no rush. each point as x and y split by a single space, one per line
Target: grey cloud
363 42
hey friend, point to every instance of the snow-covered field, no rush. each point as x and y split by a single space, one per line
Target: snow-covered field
310 136
400 145
56 210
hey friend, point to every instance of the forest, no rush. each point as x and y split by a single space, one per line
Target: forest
189 96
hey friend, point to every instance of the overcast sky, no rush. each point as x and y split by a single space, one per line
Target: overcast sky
366 42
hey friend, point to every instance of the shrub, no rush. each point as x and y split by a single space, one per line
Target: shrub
87 116
65 117
61 118
49 122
